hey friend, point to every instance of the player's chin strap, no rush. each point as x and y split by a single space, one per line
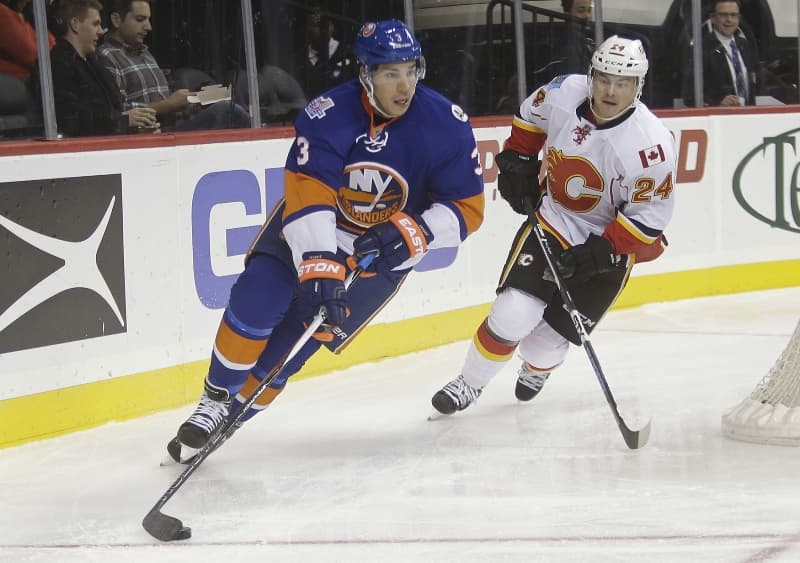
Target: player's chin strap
369 88
365 77
167 528
633 438
600 119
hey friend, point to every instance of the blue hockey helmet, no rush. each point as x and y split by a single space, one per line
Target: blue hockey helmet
386 42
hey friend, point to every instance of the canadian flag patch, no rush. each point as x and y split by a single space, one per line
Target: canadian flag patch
651 156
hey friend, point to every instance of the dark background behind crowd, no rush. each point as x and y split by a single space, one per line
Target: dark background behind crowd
304 47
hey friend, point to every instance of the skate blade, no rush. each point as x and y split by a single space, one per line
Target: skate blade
169 460
178 453
436 415
186 458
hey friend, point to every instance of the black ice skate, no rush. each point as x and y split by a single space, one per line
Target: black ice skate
455 396
207 418
529 382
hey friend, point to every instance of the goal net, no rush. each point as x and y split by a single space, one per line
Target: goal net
771 414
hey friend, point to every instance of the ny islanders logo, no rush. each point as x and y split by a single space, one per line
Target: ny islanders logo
62 261
374 193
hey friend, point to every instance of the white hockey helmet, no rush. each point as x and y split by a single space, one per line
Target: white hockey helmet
620 56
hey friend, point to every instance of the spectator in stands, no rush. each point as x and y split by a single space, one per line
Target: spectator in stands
142 83
86 101
17 40
731 67
320 68
578 8
567 50
578 41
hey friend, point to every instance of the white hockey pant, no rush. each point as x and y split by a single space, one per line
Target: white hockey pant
516 317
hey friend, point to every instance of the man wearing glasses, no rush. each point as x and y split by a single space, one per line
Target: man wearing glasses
730 61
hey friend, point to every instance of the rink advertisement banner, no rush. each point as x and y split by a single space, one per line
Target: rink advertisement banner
116 264
61 240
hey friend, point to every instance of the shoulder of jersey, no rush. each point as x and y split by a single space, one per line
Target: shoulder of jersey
435 108
569 86
563 91
334 106
650 126
647 143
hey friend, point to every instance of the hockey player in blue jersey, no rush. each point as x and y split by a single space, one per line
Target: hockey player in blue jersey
381 164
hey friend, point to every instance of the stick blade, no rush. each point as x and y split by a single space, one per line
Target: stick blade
164 527
636 439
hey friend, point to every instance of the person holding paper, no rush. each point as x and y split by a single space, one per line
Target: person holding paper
141 81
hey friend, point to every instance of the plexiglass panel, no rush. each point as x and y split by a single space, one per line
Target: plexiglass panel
473 51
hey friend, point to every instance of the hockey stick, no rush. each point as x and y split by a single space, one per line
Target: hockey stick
168 528
634 439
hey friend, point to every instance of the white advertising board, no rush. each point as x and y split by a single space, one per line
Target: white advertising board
187 214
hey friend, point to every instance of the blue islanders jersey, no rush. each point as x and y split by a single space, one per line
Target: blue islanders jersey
345 172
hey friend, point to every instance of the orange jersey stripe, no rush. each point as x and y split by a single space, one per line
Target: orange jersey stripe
471 209
303 191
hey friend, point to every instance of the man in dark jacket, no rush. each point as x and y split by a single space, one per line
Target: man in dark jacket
324 61
731 67
86 101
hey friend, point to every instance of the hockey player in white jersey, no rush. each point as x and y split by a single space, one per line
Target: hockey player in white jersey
606 198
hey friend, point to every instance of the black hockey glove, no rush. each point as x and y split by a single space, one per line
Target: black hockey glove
518 178
585 261
395 240
322 277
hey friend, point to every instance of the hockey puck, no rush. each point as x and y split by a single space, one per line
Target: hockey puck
184 534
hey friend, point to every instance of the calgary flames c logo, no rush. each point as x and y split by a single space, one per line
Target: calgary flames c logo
574 181
374 193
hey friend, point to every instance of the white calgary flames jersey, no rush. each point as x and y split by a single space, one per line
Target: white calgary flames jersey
615 179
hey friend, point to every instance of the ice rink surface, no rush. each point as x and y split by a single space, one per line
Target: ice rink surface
347 468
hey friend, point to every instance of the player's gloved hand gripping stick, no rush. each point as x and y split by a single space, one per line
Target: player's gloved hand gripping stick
167 528
633 438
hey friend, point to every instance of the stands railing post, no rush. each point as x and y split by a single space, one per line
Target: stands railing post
519 45
797 20
45 72
598 22
408 12
697 67
250 64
